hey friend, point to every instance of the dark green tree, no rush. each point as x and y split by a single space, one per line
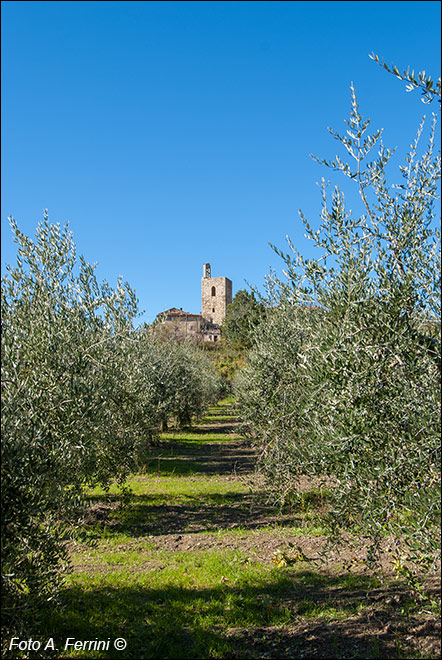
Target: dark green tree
242 317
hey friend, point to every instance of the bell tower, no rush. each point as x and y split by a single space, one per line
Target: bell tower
216 294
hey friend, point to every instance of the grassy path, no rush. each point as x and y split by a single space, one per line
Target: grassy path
199 565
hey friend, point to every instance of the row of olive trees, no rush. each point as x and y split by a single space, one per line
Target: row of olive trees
179 382
344 377
82 393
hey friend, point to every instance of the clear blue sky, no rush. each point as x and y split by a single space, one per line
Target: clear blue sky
174 133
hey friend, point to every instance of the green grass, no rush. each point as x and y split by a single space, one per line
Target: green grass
176 486
187 437
220 597
179 606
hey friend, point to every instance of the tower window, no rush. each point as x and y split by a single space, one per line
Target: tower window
213 291
213 309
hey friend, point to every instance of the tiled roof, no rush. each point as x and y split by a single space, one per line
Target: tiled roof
174 311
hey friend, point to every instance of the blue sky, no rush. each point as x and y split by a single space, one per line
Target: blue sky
169 134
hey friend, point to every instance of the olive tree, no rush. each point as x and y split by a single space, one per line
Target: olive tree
177 380
344 379
83 391
69 417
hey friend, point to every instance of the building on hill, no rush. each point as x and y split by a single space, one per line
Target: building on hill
211 332
216 294
181 325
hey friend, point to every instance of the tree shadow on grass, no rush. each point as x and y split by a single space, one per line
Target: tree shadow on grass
210 457
201 460
225 421
224 429
149 515
282 617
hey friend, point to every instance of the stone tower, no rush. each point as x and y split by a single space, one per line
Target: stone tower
216 294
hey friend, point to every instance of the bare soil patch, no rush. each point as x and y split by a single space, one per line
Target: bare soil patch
234 457
384 626
372 635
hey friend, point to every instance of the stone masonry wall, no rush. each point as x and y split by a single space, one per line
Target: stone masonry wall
214 306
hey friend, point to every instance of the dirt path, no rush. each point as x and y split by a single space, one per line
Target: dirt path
267 528
200 504
235 461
